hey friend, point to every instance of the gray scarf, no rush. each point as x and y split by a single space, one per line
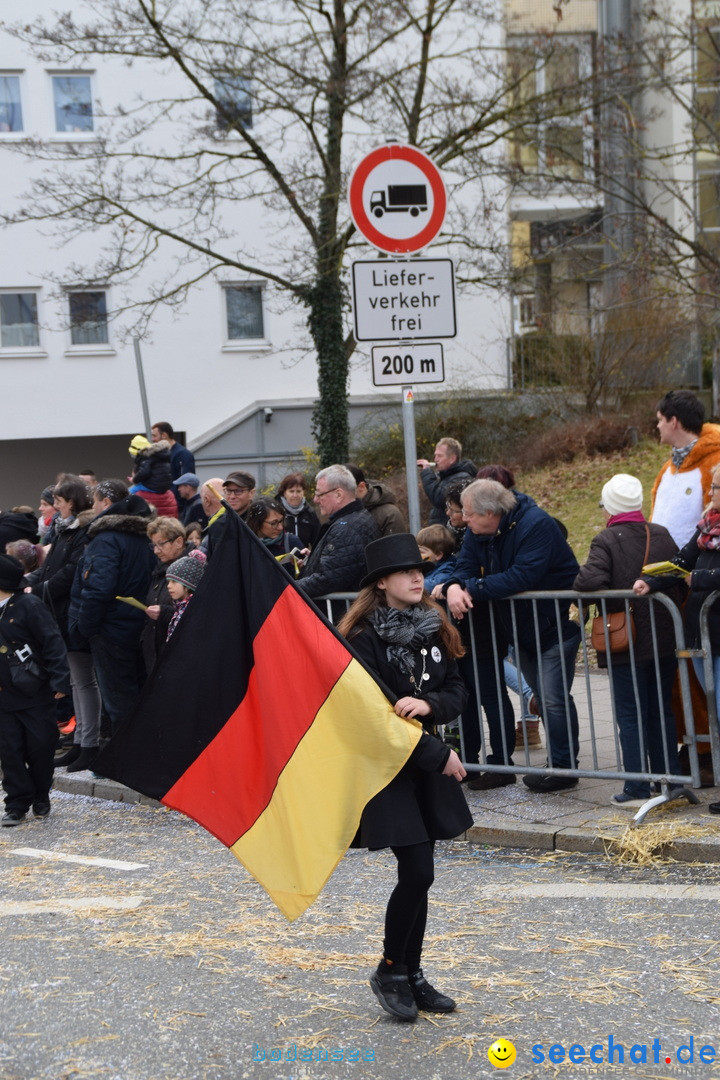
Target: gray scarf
406 631
294 510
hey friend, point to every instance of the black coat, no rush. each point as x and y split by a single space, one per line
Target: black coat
615 560
419 803
17 526
118 561
305 523
436 485
337 562
26 621
193 511
54 580
705 566
152 468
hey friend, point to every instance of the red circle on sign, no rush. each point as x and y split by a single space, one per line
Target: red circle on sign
360 216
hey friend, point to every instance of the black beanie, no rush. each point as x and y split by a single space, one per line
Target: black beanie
11 573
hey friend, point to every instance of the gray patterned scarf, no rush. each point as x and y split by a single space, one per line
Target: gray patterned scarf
406 631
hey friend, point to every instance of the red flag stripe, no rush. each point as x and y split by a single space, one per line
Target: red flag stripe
229 785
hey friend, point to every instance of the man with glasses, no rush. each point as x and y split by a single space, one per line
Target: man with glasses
239 492
337 562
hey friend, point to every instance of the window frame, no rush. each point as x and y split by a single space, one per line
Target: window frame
249 344
21 133
523 150
85 348
15 352
222 127
65 136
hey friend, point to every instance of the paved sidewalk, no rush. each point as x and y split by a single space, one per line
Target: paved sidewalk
574 820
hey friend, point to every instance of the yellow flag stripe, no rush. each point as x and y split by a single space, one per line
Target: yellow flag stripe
353 749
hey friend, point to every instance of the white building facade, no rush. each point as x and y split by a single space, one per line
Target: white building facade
232 345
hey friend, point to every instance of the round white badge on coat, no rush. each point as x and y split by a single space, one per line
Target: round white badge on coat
436 654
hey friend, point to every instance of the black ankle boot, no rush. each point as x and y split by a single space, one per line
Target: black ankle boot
69 756
84 760
427 997
391 987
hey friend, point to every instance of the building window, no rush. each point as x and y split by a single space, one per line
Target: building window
19 321
553 89
11 118
244 312
88 318
707 90
73 103
233 93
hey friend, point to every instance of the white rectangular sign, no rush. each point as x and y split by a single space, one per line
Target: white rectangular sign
394 365
401 299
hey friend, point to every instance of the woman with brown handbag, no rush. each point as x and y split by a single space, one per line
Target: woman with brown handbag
616 557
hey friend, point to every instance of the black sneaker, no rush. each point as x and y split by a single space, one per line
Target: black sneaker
485 781
427 997
41 807
546 783
12 817
392 989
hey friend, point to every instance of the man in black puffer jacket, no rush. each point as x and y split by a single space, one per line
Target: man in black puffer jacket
118 561
337 562
450 469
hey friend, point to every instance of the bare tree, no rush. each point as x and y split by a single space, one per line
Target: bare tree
322 75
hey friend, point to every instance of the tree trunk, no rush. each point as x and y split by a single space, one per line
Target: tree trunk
330 424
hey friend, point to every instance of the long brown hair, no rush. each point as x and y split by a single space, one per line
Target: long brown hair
371 598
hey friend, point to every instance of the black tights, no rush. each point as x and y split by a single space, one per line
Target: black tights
406 913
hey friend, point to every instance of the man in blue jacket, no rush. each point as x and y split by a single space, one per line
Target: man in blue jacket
118 561
512 546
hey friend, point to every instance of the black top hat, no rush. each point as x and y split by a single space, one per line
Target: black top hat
389 554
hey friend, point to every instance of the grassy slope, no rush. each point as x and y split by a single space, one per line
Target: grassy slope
571 492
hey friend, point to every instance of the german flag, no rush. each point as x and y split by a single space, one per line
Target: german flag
261 725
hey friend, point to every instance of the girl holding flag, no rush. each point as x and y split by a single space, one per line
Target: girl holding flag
406 639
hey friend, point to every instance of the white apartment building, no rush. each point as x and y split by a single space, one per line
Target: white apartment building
231 365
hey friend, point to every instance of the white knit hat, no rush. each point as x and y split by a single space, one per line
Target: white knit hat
622 494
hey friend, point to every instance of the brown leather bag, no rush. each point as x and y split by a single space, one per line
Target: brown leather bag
620 629
620 625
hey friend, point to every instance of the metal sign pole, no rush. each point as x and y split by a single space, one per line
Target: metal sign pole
143 391
408 418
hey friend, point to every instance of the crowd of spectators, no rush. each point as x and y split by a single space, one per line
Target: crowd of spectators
114 564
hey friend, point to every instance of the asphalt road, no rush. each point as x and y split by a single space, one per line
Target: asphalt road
170 963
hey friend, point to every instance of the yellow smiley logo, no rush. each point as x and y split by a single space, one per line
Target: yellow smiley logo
501 1054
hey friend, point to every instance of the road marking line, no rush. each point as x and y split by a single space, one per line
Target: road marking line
83 860
61 907
601 890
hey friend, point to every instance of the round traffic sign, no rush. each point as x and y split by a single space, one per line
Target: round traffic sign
397 199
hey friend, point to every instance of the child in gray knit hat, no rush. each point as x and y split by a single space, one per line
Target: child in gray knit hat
183 578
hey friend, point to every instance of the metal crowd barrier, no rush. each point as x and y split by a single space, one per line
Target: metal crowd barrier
705 654
600 742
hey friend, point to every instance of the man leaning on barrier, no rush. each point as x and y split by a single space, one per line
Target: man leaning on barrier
513 546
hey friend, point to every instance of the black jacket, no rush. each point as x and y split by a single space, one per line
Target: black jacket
17 526
118 561
53 581
705 578
305 523
152 467
24 620
419 803
337 562
193 511
437 484
615 560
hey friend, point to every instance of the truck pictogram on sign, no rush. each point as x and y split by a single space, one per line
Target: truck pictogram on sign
400 198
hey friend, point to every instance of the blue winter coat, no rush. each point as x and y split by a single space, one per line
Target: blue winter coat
527 553
118 561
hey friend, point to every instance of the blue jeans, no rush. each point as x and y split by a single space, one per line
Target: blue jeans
549 674
656 716
515 682
699 671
